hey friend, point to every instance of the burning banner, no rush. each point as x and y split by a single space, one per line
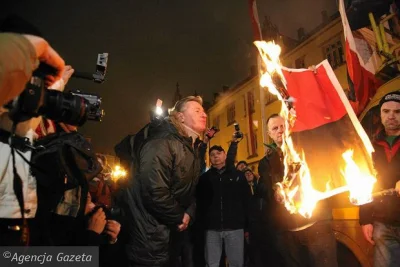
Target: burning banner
326 151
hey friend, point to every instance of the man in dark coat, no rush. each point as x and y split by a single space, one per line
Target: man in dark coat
161 195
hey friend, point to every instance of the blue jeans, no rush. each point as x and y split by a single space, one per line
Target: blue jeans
387 245
234 242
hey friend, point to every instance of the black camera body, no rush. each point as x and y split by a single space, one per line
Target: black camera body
238 134
111 213
68 107
213 130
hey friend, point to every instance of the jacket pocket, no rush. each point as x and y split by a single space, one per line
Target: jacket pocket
159 239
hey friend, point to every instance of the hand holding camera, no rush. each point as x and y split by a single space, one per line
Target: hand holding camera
46 54
112 229
237 135
210 133
97 221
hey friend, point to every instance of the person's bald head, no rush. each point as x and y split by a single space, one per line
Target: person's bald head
276 128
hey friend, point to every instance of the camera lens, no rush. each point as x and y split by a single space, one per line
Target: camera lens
65 107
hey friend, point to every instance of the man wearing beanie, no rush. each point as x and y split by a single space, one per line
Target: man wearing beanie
380 220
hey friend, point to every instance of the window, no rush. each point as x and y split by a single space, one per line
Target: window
255 144
250 99
231 113
334 52
216 122
300 63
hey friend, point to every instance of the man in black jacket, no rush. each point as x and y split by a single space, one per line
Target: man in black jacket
380 220
300 241
222 195
161 195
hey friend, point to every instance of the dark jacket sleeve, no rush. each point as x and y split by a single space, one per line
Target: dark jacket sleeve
365 214
156 166
231 155
246 193
263 189
191 210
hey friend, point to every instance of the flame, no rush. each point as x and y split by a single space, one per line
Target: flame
296 190
118 173
270 53
360 184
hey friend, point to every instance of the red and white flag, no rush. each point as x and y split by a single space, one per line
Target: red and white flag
362 63
255 22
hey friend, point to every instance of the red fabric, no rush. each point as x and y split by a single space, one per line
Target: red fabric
45 127
363 83
254 20
362 63
317 102
323 130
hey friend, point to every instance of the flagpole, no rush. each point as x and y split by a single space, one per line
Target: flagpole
258 37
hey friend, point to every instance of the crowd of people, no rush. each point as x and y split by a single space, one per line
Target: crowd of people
174 212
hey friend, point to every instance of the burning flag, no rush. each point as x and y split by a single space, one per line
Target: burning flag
326 151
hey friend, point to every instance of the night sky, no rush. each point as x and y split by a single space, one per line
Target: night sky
153 44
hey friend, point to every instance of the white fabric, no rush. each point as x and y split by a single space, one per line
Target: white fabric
9 207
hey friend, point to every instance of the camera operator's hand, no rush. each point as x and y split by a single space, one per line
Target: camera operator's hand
112 230
97 221
234 138
45 53
185 223
59 85
68 71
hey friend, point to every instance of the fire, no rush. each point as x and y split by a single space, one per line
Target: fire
118 173
296 189
359 184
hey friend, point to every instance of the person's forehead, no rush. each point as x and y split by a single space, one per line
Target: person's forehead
276 121
193 105
391 105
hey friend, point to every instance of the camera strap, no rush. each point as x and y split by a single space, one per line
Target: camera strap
18 191
21 143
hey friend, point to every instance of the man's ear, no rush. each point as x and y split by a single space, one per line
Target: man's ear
181 118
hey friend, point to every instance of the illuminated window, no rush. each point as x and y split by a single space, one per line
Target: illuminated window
231 113
250 96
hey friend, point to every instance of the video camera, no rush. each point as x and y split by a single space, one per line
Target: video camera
238 134
73 108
